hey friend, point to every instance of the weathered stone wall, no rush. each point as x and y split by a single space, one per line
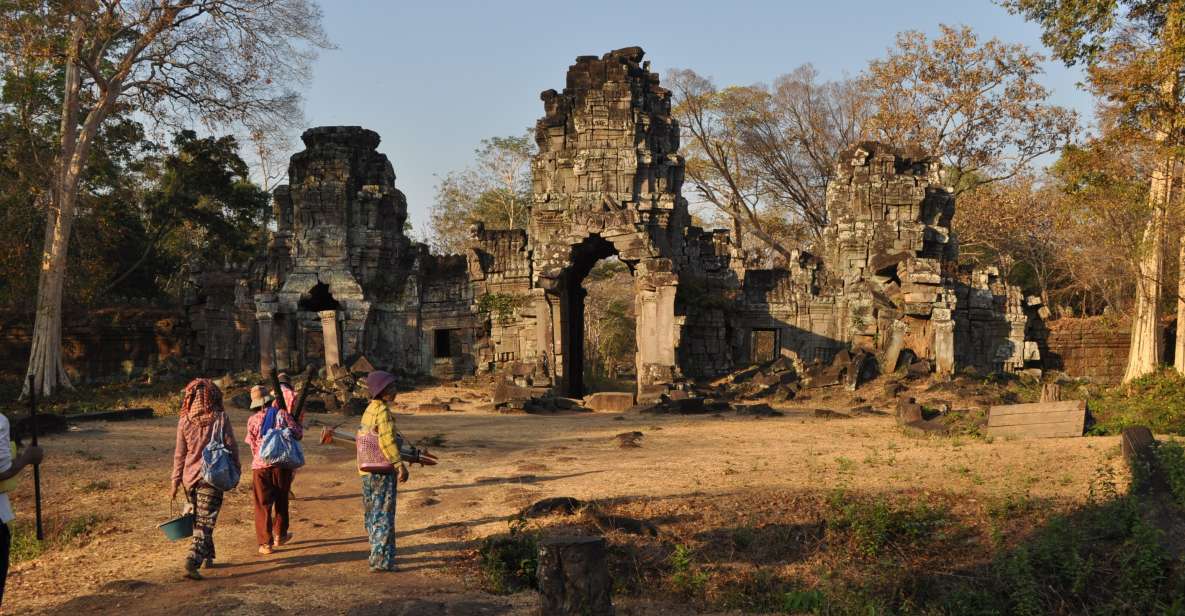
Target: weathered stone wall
103 344
1092 348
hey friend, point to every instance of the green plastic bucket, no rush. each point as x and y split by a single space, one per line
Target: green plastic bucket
178 528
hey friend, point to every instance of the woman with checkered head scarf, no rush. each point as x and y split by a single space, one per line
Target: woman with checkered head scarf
201 414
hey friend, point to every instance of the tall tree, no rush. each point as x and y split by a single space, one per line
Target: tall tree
977 105
762 156
198 200
1134 51
495 191
220 61
1014 224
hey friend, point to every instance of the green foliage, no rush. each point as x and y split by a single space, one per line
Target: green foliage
500 305
686 577
1171 458
1155 400
494 191
508 562
874 525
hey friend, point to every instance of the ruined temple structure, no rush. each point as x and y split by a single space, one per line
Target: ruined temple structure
341 280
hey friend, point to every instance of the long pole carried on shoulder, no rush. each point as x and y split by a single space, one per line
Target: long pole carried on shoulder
36 467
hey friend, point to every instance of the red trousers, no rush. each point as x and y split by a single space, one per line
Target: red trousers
271 487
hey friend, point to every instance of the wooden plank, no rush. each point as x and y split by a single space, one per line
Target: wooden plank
1039 420
1038 407
1036 431
1034 418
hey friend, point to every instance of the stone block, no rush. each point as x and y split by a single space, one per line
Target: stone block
609 401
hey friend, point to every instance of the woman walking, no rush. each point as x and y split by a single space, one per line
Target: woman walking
380 469
201 414
270 484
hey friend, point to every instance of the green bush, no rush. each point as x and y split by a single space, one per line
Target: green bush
1156 400
1171 458
686 578
508 562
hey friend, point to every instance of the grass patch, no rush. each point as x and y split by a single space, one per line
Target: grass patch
1170 456
59 533
873 525
1155 400
96 486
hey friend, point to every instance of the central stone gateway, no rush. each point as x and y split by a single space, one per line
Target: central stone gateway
606 182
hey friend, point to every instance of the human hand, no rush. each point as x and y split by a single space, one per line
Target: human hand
173 494
403 473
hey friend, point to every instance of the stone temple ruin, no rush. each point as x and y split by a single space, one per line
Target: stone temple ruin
341 280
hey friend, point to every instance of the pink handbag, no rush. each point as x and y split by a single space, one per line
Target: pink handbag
370 454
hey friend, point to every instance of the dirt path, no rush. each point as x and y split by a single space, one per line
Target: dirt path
115 477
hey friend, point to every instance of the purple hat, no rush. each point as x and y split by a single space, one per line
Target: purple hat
378 381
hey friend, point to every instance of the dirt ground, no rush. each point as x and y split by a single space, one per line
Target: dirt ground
115 475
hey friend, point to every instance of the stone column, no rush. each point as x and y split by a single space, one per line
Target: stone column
944 343
655 288
896 344
267 351
265 310
282 339
329 335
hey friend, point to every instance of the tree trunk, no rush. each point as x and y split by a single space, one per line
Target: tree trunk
1179 345
1144 354
45 357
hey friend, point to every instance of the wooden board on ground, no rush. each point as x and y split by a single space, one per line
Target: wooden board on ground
1038 420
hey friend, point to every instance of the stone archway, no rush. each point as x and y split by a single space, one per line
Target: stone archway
607 181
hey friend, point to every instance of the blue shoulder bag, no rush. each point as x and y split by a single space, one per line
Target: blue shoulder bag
218 466
279 448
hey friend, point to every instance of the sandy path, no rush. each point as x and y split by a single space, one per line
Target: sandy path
491 466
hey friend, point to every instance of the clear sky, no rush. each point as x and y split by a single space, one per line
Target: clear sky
436 77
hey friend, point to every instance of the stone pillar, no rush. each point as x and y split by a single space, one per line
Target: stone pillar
944 346
329 334
573 575
893 350
267 351
655 288
282 339
265 310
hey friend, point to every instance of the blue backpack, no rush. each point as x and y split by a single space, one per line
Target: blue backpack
279 448
218 465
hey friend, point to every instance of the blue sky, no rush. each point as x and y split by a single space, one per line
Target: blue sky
434 78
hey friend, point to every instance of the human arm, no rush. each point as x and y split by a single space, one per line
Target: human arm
254 423
10 466
179 451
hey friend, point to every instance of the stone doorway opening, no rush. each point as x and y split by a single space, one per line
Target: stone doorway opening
318 298
599 327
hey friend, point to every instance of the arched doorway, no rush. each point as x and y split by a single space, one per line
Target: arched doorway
573 303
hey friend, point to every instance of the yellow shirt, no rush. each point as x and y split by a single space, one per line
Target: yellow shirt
378 414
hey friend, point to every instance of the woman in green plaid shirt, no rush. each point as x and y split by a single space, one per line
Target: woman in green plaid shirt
378 489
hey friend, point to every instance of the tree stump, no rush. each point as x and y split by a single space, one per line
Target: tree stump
1051 392
573 577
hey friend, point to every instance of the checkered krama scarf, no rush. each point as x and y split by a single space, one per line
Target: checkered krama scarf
201 401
